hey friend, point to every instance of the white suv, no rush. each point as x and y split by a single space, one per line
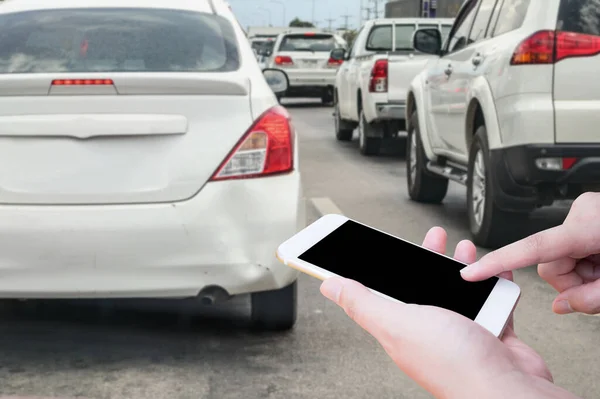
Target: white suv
143 154
510 108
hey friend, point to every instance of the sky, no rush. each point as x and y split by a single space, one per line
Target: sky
252 12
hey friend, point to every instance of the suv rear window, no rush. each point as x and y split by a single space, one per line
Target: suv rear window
308 42
380 38
116 40
580 16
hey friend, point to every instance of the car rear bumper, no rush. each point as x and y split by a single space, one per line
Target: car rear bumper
226 236
318 78
520 185
390 111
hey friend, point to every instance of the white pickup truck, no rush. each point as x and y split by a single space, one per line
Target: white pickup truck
373 80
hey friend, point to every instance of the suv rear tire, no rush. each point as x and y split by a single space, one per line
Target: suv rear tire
275 310
490 226
343 129
423 186
367 144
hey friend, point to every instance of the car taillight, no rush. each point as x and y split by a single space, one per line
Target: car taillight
284 60
266 149
333 62
548 47
81 82
556 164
379 77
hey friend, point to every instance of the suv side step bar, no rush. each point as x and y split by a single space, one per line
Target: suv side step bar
449 172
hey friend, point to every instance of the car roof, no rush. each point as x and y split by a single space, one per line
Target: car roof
30 5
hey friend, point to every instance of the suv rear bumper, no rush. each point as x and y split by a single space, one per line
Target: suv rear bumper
519 185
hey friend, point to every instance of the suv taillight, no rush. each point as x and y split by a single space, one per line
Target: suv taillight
267 148
283 60
379 77
548 47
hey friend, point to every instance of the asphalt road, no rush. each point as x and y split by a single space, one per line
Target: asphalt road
179 350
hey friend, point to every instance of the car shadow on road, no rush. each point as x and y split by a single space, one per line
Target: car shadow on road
453 213
317 104
87 333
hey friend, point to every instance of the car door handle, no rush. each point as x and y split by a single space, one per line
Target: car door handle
477 59
448 70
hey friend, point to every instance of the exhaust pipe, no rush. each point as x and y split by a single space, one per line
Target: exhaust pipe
212 295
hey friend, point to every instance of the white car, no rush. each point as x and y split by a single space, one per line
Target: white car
510 107
305 57
371 85
142 154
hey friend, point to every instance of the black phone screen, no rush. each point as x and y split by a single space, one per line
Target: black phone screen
401 270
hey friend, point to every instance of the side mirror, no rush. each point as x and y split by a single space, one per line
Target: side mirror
338 54
277 80
428 41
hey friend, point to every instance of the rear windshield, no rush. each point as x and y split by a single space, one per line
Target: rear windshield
580 16
116 40
380 38
308 42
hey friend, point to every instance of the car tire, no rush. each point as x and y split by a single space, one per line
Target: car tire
275 310
344 130
490 226
367 144
423 186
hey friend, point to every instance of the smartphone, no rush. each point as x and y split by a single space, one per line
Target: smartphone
398 270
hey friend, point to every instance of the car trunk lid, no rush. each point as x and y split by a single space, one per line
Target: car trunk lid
158 139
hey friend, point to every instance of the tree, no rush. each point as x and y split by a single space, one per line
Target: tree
298 23
349 36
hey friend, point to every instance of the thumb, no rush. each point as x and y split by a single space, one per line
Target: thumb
583 299
376 314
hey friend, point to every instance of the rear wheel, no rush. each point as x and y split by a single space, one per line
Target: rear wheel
275 310
369 138
343 129
423 186
490 226
327 99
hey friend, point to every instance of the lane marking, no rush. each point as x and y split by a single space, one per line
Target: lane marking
325 206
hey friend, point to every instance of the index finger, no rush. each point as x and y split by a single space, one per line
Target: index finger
543 247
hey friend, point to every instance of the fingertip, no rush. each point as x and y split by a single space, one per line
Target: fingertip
435 239
465 252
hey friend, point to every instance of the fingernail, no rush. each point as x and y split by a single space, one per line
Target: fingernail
332 288
563 307
468 271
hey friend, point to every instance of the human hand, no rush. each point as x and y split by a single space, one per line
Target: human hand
568 258
447 354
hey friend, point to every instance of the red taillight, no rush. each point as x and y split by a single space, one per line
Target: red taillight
82 82
567 163
283 60
309 34
379 77
333 62
569 44
266 149
548 47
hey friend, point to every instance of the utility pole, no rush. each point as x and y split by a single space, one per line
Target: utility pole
346 17
313 14
330 22
368 10
376 8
